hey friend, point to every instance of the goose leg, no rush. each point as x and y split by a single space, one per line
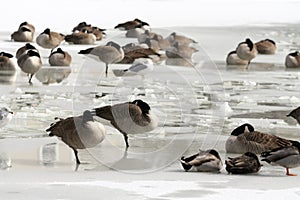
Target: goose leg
30 77
106 69
288 173
76 156
126 140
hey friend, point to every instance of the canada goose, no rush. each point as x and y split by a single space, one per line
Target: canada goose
244 138
80 26
204 161
23 34
7 62
133 46
24 48
60 58
109 53
140 66
180 51
292 60
129 118
246 50
266 46
81 37
5 116
131 25
30 62
134 33
49 39
78 132
295 114
130 56
180 39
245 164
28 25
288 157
233 59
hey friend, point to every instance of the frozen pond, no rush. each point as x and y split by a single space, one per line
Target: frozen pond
197 107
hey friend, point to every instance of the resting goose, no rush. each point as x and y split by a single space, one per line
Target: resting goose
244 138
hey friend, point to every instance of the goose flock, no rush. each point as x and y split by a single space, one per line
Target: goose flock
135 117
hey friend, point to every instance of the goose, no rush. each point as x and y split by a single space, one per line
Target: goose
244 164
78 132
204 161
244 138
246 50
288 157
140 66
109 53
23 34
129 118
6 116
49 39
181 39
81 37
130 56
295 114
131 24
133 46
292 60
27 25
60 58
266 46
180 51
7 62
233 59
30 62
24 48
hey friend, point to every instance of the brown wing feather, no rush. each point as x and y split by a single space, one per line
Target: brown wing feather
105 113
264 141
63 125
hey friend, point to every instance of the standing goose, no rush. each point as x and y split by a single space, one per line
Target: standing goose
295 114
246 50
266 46
23 49
288 157
244 138
60 58
129 118
7 62
233 59
245 164
79 132
49 39
204 161
109 53
30 62
292 60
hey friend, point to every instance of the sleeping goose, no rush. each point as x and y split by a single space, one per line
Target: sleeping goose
246 50
288 157
78 132
129 118
244 138
244 164
266 46
204 161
